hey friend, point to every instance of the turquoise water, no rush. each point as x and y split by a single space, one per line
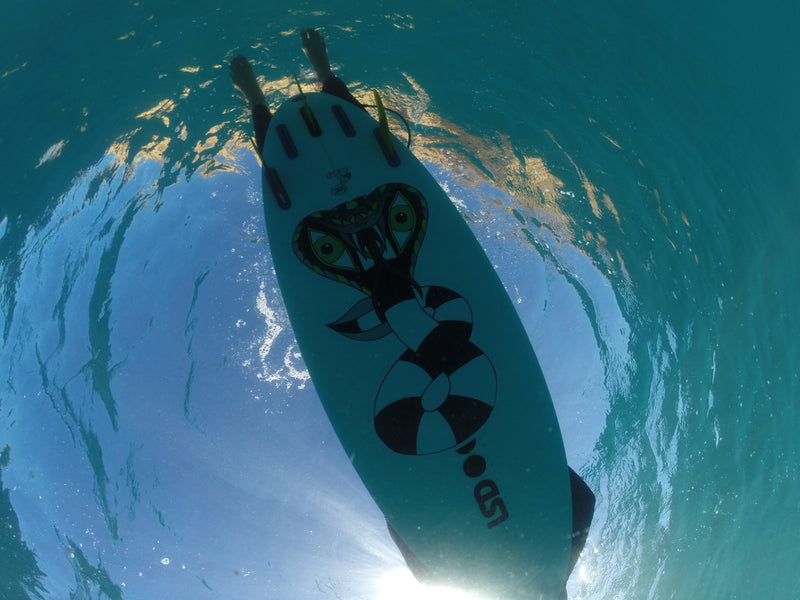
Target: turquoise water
632 172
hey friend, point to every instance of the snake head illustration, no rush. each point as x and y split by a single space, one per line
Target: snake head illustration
370 243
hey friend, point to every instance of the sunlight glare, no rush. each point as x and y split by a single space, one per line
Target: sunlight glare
400 584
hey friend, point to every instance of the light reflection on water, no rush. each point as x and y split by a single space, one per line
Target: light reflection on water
154 405
175 396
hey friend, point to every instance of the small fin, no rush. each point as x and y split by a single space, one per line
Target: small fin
300 88
308 115
255 149
415 565
383 134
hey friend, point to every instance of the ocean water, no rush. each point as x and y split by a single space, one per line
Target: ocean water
632 169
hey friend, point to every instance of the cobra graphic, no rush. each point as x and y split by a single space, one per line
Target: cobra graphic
442 388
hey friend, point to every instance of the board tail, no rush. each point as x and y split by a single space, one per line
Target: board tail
582 513
418 570
583 501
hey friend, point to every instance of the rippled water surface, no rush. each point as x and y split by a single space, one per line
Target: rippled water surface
633 173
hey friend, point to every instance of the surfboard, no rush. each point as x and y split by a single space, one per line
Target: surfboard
416 352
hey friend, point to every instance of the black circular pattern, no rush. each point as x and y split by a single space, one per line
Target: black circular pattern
399 424
437 396
474 466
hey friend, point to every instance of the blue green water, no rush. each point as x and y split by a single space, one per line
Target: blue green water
633 172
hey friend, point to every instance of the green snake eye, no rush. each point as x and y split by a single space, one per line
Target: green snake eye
402 217
328 249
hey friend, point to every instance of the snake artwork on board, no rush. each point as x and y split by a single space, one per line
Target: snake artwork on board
442 388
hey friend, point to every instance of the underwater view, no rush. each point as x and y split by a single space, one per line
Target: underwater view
632 171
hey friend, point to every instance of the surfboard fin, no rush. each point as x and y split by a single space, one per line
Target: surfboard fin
255 149
382 133
308 115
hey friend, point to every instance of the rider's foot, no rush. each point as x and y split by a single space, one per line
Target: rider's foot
244 79
317 53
